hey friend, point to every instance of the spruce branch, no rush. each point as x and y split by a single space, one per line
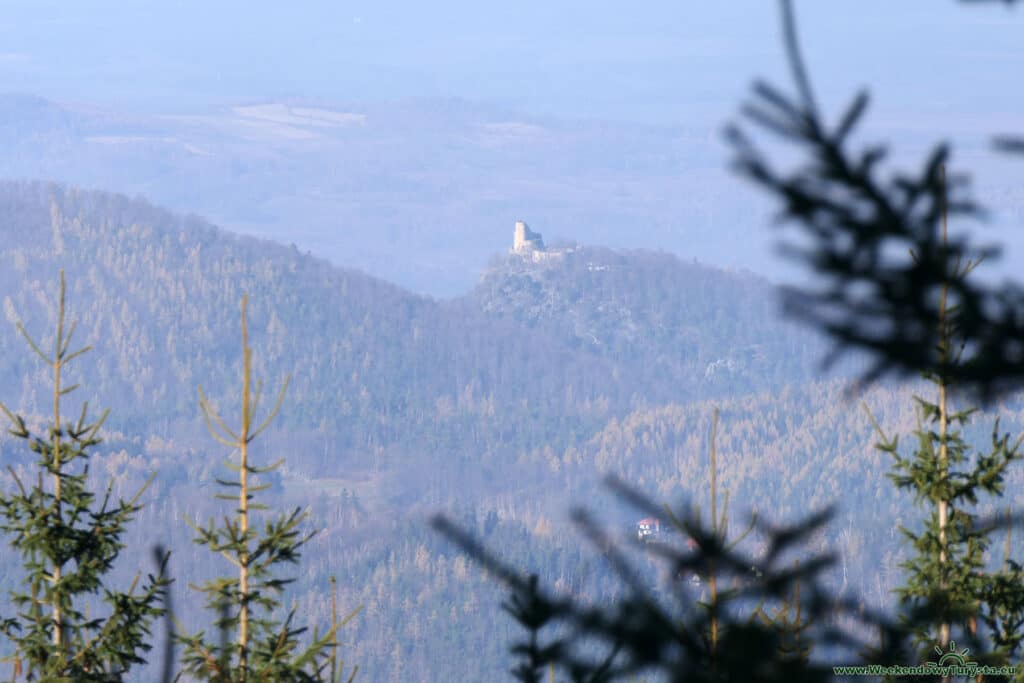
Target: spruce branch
869 299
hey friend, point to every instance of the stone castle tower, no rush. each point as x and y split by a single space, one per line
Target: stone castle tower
524 239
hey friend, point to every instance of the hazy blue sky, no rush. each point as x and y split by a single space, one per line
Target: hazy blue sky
660 61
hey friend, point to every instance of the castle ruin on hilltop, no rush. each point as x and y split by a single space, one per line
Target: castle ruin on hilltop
529 245
525 240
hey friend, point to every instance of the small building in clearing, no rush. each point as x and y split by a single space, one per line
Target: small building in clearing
648 529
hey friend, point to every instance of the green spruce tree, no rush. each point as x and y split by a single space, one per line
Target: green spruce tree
68 539
719 542
790 625
951 584
264 648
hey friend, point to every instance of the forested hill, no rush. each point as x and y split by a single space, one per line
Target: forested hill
584 338
490 406
681 330
500 408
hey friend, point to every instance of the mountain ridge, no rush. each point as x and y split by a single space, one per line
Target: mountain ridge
182 252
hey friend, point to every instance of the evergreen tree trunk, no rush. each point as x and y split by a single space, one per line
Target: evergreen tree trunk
243 504
712 578
944 359
58 638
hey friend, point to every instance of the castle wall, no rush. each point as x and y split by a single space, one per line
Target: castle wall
524 239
